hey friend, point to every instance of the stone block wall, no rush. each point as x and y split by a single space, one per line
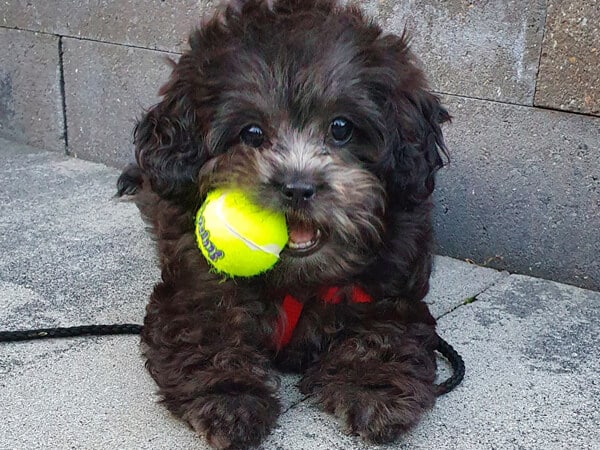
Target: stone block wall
520 77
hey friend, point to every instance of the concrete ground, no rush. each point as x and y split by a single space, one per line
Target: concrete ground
73 255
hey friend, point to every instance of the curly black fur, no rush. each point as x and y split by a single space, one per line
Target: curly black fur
291 67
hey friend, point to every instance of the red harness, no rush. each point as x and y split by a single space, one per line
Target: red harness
292 309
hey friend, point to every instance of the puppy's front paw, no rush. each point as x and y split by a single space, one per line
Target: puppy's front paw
378 414
379 385
234 421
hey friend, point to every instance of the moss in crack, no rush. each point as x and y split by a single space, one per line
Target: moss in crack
469 300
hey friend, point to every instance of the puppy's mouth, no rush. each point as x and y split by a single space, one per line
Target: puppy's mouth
304 237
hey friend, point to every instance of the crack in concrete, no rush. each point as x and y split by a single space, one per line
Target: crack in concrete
474 298
522 105
296 403
63 95
82 38
541 51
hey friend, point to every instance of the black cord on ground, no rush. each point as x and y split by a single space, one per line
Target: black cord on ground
458 366
457 363
87 330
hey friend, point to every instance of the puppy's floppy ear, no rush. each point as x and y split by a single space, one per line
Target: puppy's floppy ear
168 143
432 145
416 148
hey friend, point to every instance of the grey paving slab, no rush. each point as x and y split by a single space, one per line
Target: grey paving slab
70 252
479 49
72 255
530 347
569 77
30 98
522 191
90 393
107 88
157 25
454 283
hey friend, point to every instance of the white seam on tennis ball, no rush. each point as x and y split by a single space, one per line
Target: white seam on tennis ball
271 249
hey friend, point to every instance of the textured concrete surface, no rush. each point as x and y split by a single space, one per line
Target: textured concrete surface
72 255
569 78
30 98
483 49
161 25
108 88
530 347
522 191
455 283
53 206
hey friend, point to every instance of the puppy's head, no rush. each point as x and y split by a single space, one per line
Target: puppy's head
310 109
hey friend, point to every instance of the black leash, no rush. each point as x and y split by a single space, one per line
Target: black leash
86 330
455 360
457 363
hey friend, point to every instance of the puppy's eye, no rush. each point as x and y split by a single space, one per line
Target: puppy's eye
341 130
253 136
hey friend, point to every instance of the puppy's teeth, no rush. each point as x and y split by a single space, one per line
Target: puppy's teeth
300 245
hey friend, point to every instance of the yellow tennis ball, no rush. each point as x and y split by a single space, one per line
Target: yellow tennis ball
238 237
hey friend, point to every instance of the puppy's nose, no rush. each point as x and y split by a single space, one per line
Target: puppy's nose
297 194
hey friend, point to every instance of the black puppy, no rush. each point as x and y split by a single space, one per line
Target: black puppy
310 109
